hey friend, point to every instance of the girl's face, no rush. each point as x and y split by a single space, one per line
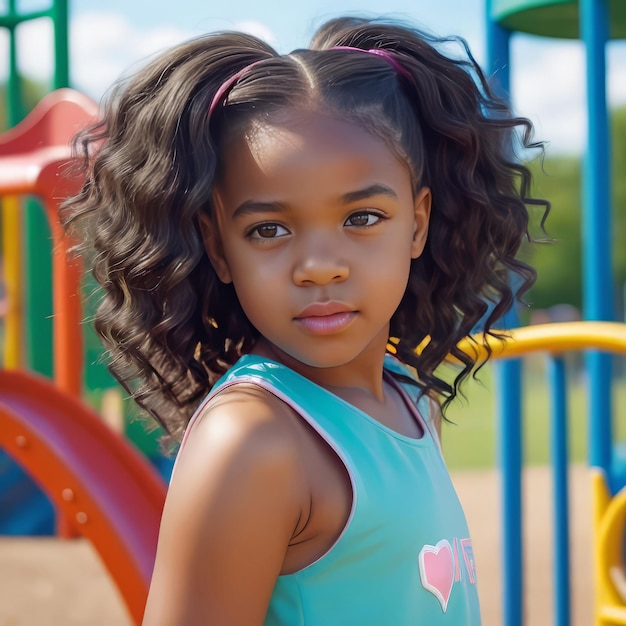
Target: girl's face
317 224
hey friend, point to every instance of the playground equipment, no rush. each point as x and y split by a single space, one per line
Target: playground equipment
102 487
26 234
609 522
609 511
595 21
35 158
98 481
553 18
26 250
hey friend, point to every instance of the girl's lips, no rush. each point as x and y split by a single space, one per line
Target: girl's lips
324 309
326 319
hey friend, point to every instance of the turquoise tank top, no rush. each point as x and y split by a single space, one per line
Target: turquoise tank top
405 556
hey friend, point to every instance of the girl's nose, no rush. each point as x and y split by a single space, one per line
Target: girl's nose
320 267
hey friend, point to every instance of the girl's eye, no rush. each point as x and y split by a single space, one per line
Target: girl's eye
268 231
363 219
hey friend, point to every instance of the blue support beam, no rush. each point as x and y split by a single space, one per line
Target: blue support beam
509 412
596 225
559 458
508 383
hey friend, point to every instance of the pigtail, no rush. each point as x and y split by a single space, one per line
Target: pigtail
150 166
480 192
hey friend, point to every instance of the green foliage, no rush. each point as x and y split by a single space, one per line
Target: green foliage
470 441
559 264
619 196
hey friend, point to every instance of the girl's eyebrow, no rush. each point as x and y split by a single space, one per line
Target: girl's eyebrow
377 189
250 207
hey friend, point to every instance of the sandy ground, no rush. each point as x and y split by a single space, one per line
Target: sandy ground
50 582
479 492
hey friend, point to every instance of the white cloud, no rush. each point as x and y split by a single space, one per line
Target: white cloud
35 51
616 67
105 46
548 86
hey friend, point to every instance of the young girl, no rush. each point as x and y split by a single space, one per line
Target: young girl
289 246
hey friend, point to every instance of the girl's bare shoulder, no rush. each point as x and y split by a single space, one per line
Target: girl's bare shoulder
243 431
245 416
232 508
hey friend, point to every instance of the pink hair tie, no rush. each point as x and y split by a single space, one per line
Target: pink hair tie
389 56
228 84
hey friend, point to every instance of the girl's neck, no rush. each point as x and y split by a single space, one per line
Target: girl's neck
361 386
363 375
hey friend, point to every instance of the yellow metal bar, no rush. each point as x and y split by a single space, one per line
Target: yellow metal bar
609 513
554 338
11 238
612 616
603 545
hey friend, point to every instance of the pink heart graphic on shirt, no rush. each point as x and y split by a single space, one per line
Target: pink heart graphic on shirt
437 571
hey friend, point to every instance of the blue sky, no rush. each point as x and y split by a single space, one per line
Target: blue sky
291 22
108 39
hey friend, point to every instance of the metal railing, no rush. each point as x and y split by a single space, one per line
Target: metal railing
608 503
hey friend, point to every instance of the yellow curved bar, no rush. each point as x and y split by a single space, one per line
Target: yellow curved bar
11 238
556 337
609 522
609 513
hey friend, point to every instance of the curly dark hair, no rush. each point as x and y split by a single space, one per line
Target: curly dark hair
171 327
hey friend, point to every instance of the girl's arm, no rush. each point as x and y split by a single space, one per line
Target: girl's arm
231 510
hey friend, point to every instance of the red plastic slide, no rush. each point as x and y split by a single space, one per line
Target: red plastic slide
97 480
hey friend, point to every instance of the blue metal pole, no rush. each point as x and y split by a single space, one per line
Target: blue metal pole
498 60
558 446
508 378
597 273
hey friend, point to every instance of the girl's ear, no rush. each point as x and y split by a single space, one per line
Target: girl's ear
422 204
213 247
